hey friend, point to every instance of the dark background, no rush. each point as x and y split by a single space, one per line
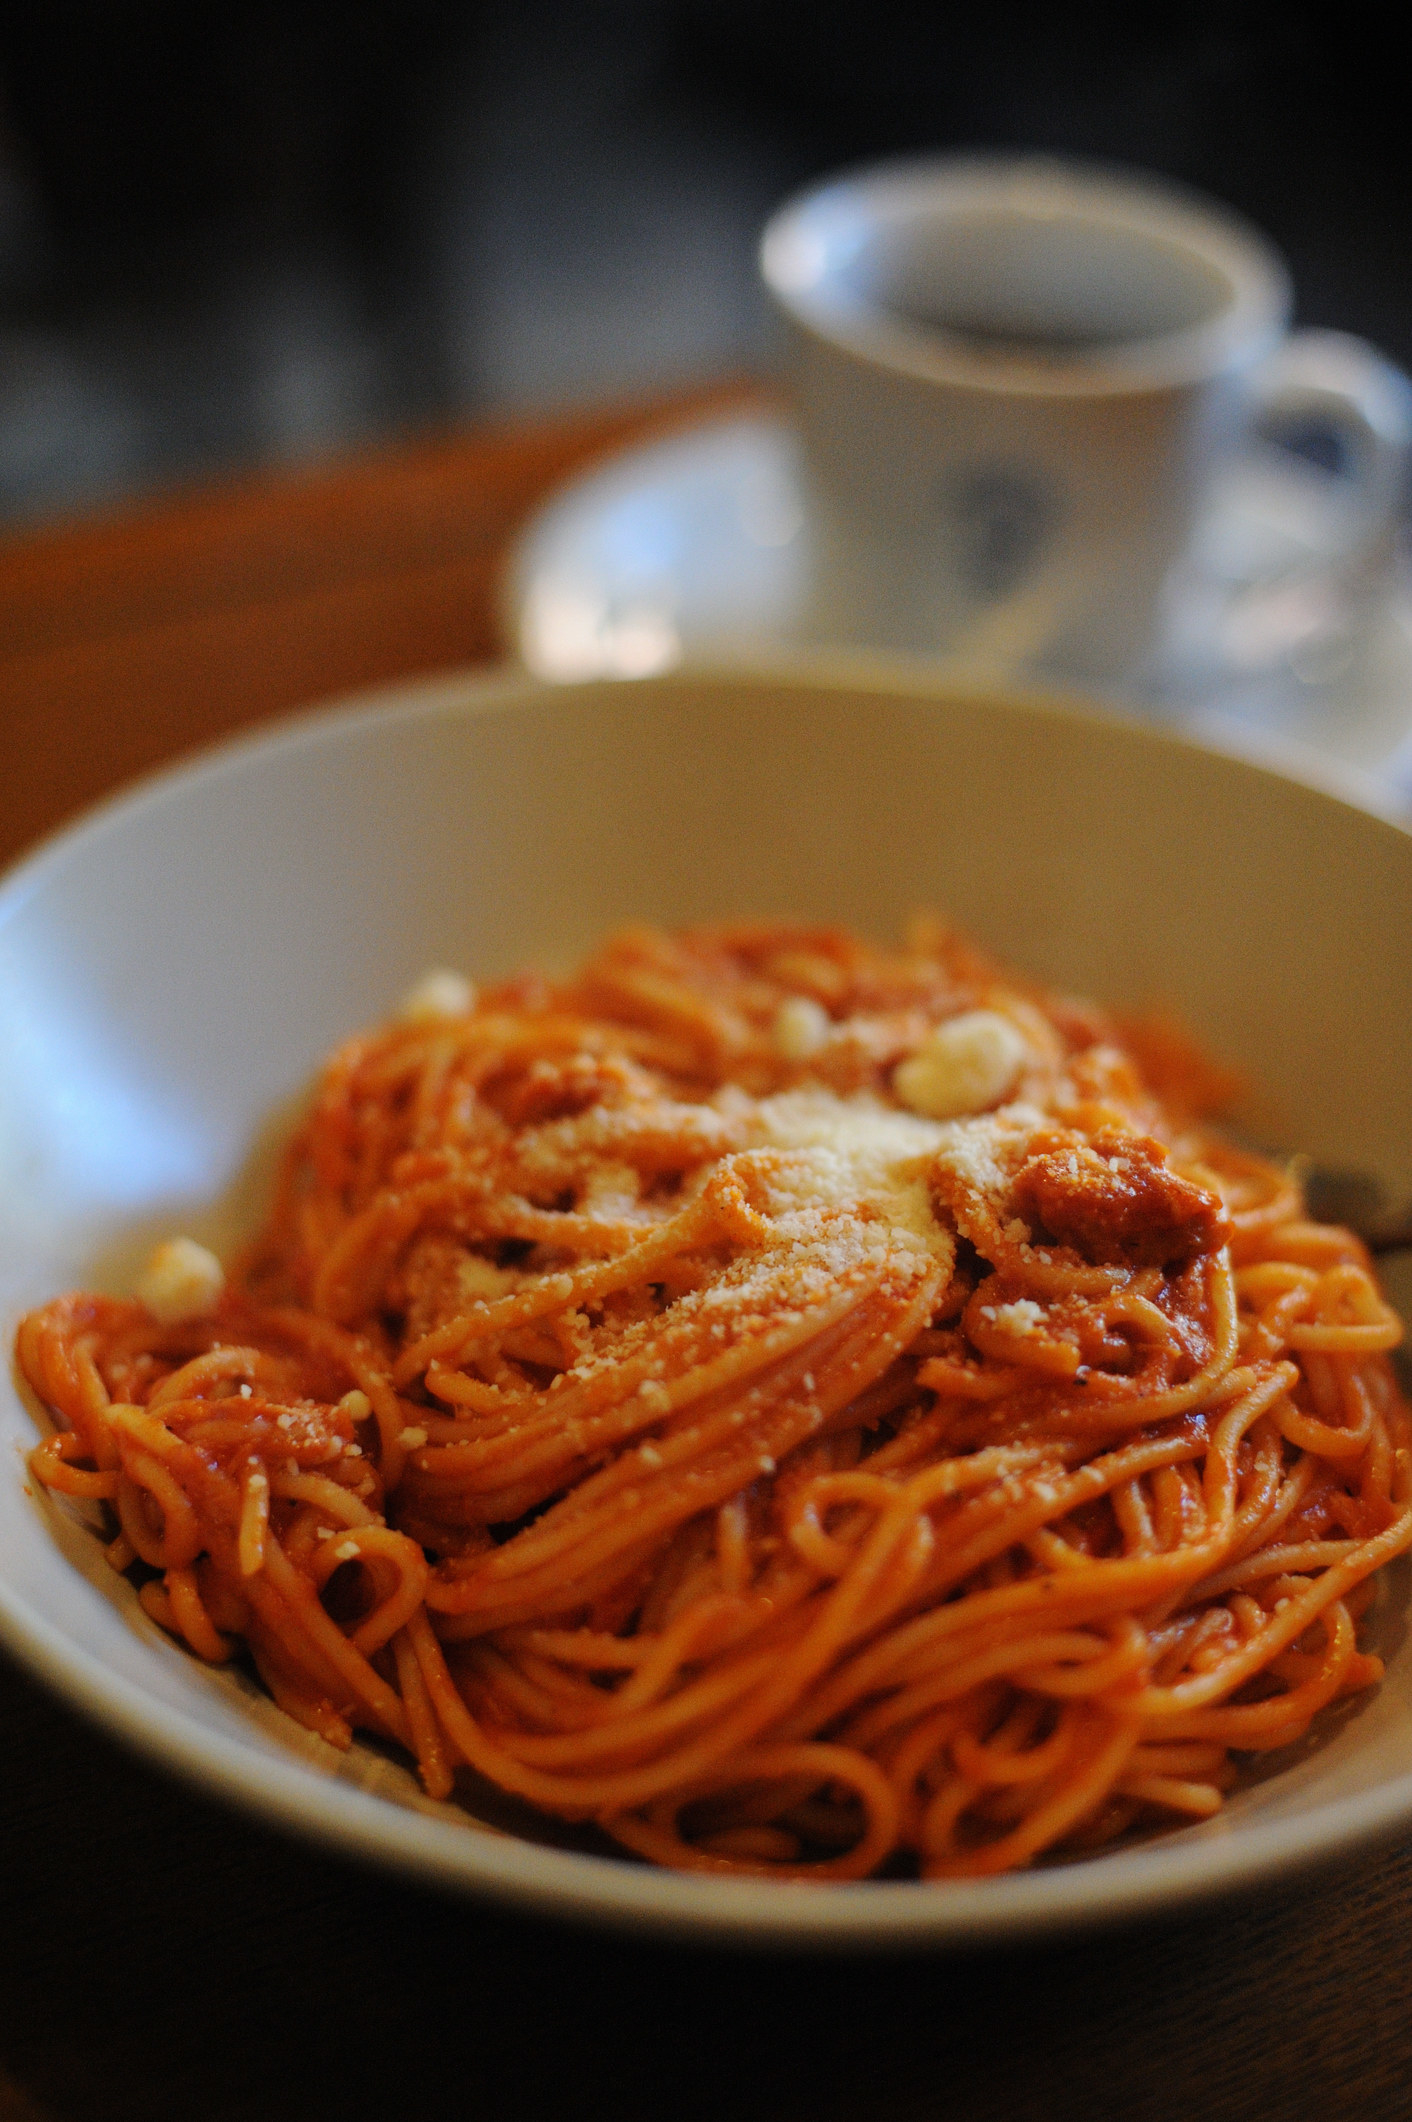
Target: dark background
281 229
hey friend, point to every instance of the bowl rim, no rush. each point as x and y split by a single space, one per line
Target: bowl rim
1155 1878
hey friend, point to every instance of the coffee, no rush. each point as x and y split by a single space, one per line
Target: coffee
1020 285
999 343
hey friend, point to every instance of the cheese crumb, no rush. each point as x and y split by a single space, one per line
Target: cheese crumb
357 1406
801 1027
412 1438
1021 1317
650 1456
967 1065
439 994
182 1280
481 1280
347 1551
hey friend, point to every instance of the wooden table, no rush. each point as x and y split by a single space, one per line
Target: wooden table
163 1958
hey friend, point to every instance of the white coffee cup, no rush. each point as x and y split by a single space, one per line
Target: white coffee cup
1017 381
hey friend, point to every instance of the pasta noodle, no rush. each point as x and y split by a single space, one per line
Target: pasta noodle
814 1411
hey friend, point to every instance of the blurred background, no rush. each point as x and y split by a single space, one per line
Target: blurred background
279 230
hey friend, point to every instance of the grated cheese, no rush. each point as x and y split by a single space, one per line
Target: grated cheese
967 1065
801 1028
182 1280
1023 1316
858 1151
438 994
481 1280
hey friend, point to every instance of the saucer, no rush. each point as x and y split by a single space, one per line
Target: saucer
676 551
695 550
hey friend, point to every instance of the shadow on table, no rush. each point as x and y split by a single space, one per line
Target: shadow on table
162 1958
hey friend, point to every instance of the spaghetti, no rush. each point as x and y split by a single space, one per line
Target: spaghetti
813 1411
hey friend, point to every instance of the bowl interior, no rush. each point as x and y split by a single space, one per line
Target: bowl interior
172 970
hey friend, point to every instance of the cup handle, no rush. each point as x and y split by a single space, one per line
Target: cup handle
1333 388
1295 551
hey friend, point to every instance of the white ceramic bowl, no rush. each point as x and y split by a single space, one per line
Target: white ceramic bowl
172 969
